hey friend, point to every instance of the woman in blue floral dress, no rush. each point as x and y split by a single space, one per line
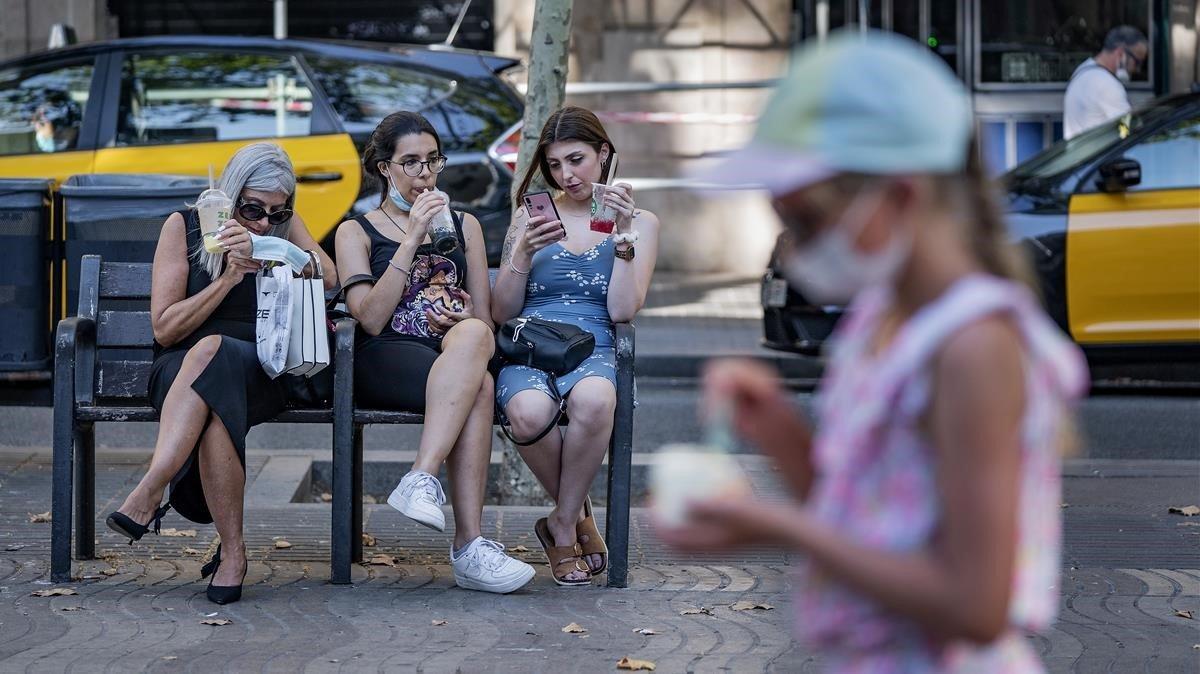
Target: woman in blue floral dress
563 271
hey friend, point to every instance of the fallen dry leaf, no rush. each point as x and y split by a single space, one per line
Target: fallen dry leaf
170 657
53 592
71 608
109 572
178 533
192 551
696 611
282 545
644 631
382 560
326 496
40 518
368 540
1184 614
750 606
629 663
520 548
574 628
216 621
1186 511
439 623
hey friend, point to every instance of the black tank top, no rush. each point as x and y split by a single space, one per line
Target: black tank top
233 317
434 279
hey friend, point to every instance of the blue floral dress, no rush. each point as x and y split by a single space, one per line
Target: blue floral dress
573 289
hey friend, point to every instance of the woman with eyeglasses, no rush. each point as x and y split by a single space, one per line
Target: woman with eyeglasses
426 339
206 381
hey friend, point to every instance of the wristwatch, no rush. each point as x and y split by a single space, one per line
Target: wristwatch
626 254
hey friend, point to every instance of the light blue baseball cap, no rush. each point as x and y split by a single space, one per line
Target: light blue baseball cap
873 103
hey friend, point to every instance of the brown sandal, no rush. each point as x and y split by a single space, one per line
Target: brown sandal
564 559
594 544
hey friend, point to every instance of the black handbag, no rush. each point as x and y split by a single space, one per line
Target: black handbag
555 348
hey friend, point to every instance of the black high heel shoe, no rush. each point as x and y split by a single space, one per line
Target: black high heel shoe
221 594
124 525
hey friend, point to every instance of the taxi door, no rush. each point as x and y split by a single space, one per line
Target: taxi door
182 112
1133 252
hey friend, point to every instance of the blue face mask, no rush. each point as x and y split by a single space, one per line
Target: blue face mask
397 198
46 143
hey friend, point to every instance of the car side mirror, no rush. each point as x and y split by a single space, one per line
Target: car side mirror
1118 175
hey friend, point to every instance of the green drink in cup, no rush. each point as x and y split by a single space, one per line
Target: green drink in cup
214 208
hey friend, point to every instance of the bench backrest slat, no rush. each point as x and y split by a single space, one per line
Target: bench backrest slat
125 280
122 378
124 329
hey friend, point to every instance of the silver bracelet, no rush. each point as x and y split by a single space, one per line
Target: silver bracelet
517 271
398 268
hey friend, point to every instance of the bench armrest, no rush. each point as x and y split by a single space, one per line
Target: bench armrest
75 360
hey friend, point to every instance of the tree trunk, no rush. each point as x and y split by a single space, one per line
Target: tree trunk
549 49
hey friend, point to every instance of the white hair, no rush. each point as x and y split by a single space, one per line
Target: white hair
263 167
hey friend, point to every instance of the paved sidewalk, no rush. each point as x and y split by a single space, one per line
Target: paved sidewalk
1129 566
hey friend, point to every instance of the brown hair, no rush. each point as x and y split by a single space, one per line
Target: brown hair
570 122
382 144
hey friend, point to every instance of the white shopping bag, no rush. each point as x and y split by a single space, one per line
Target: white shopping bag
308 349
273 320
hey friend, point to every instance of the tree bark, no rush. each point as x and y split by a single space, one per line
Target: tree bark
549 51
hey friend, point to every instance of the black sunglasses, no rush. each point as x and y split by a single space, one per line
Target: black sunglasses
252 211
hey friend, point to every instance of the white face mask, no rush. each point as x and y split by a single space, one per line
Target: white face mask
1123 72
831 271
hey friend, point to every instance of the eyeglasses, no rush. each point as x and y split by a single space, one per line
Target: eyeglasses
1136 61
252 211
413 167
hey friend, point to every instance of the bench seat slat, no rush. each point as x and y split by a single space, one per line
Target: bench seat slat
147 413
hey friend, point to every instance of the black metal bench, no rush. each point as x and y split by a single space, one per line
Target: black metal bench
90 389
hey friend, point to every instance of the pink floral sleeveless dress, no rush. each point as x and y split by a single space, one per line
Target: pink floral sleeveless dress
876 478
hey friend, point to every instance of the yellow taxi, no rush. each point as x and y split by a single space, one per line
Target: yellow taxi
178 105
1110 220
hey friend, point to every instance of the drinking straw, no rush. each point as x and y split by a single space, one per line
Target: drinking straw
211 184
612 171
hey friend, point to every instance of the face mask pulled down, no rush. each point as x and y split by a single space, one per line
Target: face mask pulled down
831 271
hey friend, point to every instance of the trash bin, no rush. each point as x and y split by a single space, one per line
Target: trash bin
24 274
119 217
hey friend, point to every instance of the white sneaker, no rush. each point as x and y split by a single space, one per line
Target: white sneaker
419 497
483 565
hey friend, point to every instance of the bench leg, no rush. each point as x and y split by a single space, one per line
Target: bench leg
620 460
85 491
62 491
343 515
356 497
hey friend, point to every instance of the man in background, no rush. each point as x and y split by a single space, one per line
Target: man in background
1096 92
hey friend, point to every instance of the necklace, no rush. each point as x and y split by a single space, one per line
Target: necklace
389 217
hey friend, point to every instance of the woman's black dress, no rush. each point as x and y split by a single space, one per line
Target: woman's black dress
233 385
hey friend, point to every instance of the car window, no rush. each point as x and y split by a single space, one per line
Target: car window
363 93
41 107
1068 154
211 96
1170 158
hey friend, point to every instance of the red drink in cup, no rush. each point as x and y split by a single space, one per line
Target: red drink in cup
604 217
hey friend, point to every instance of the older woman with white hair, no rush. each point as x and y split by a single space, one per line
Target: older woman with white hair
206 381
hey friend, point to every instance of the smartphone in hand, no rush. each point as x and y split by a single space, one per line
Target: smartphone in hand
541 203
